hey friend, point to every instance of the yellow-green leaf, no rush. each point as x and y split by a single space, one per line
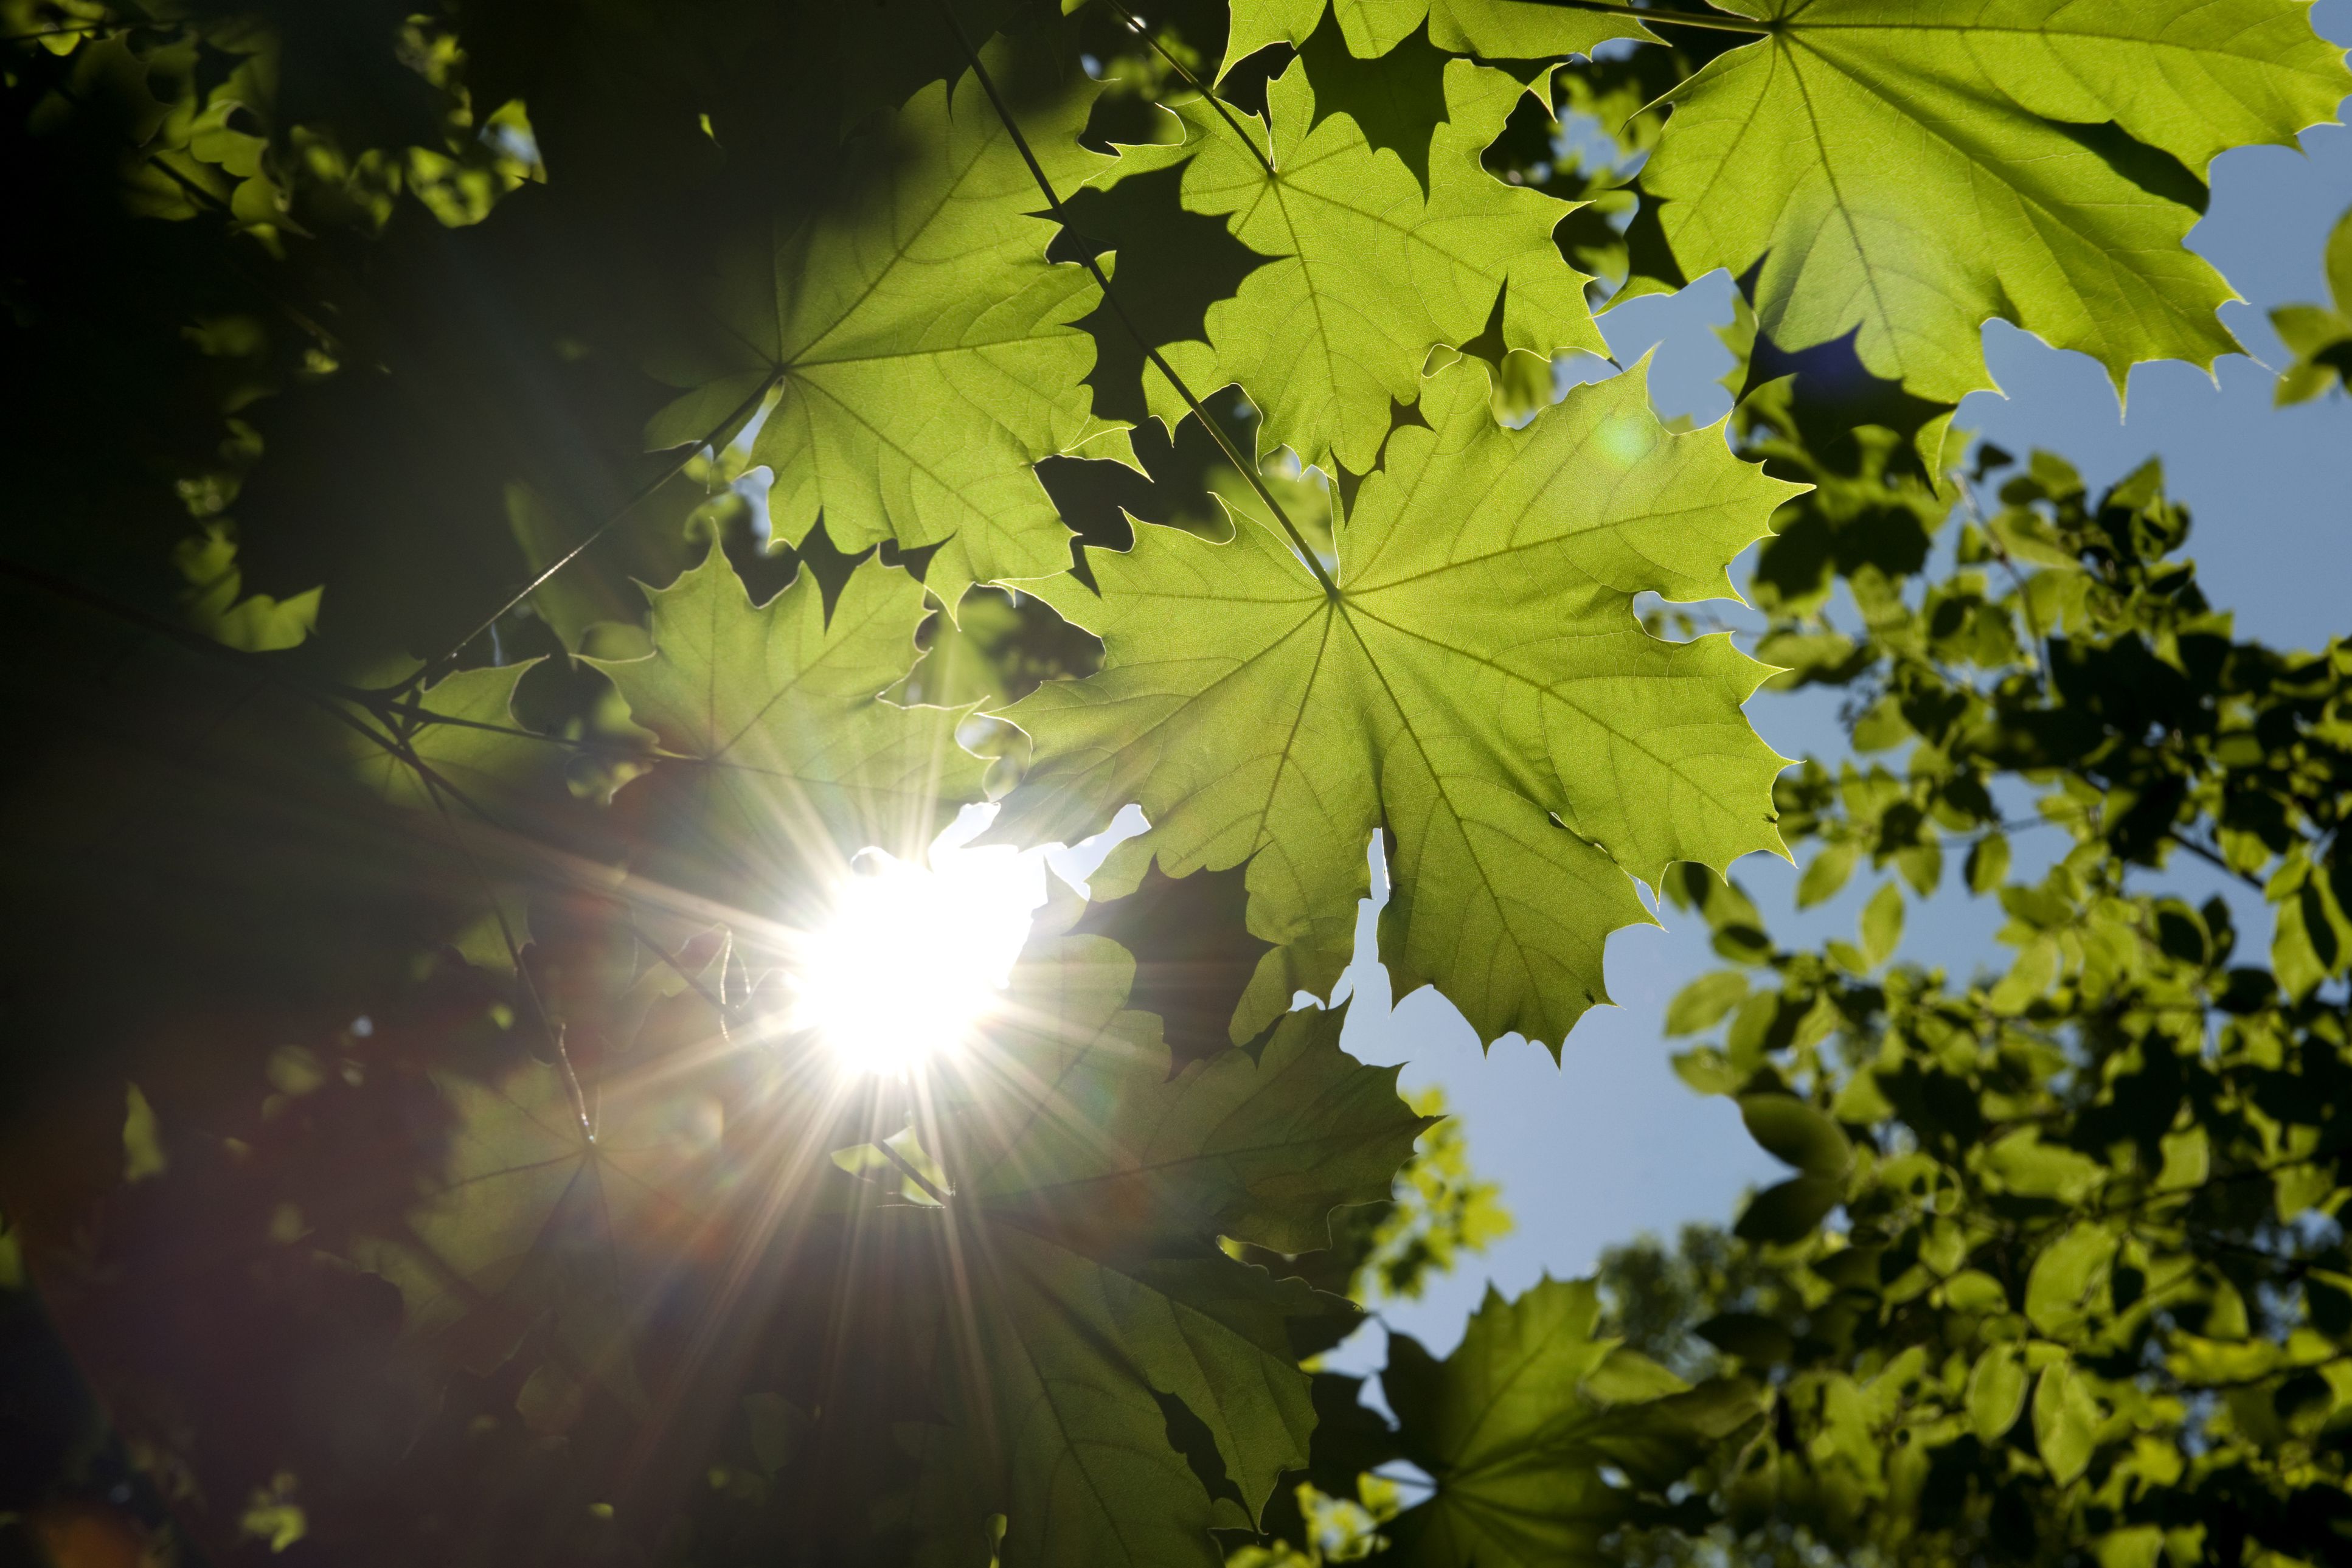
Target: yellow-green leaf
1492 29
1905 170
1477 687
1364 273
923 353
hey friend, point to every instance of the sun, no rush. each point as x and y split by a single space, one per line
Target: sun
913 958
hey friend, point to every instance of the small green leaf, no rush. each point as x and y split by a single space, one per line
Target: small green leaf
1796 1134
142 1141
1789 1211
1708 1071
2320 336
1702 1004
1996 1393
1882 925
2066 1417
1974 1290
1988 865
2065 1275
1828 873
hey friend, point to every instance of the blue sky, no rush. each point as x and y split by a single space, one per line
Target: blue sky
1610 1144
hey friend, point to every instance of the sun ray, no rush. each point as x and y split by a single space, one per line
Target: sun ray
913 956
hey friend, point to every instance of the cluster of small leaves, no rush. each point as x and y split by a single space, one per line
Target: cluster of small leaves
597 461
193 172
2090 1289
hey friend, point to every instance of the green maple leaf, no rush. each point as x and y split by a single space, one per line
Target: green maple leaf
536 1223
1479 687
922 350
1365 273
1516 1427
2319 337
1089 1190
778 754
1906 171
462 732
1495 29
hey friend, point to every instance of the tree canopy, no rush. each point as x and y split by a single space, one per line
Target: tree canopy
514 504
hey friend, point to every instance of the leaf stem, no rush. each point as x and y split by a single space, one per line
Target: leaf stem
1674 18
2213 860
1135 25
602 529
913 1174
1248 469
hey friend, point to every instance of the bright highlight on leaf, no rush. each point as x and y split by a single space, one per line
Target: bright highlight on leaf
914 958
793 760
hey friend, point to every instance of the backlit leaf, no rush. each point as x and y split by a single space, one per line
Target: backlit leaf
1904 172
2065 1421
1516 1426
1364 274
454 743
1996 1392
922 350
1495 29
1796 1134
1882 924
1478 687
780 752
1089 1190
550 1213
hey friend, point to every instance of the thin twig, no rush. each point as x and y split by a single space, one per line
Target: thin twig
1135 25
1247 469
2038 650
392 741
568 557
329 696
433 786
2210 859
718 1003
913 1175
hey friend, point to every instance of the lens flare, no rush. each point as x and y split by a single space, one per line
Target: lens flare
915 957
